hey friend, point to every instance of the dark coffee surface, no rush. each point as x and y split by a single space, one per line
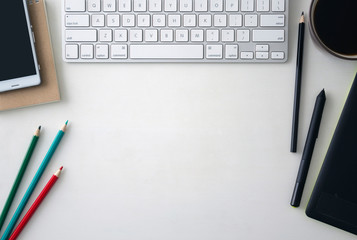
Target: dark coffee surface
336 25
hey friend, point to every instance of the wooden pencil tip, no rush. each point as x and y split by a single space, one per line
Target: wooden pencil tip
64 127
61 168
302 14
58 172
302 18
66 122
37 132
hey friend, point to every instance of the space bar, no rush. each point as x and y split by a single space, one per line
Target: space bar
166 51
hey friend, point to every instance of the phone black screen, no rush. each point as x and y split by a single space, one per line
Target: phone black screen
16 58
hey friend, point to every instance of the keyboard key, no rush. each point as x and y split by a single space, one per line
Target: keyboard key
214 51
158 20
277 55
174 20
263 5
109 5
246 55
155 5
87 51
243 36
128 20
170 5
124 5
74 5
220 20
166 51
197 35
231 51
113 20
139 5
232 5
151 35
181 35
77 20
98 20
72 51
201 6
272 20
136 35
228 35
105 35
93 5
189 20
186 5
120 35
216 5
278 5
212 35
268 35
102 51
262 55
262 48
235 20
251 20
204 20
81 35
167 35
119 51
247 6
144 20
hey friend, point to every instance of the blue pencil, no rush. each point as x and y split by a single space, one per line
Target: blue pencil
33 183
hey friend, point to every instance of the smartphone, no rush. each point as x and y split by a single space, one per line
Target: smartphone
18 62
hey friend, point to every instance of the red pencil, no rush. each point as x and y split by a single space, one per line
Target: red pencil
35 205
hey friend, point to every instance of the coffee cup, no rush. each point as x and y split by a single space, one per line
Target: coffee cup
333 25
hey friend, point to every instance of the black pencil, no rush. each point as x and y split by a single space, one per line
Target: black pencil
299 60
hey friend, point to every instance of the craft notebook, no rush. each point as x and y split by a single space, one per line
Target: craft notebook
48 90
334 198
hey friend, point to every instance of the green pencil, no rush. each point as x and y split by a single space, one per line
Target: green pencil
20 174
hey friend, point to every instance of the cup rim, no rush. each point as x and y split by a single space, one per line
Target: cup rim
317 38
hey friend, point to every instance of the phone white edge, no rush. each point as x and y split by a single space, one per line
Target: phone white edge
26 81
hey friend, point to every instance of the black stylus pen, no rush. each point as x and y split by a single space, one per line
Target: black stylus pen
300 53
308 149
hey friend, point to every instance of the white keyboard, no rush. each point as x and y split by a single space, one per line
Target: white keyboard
175 31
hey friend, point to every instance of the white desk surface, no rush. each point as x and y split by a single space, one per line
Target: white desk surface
176 151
